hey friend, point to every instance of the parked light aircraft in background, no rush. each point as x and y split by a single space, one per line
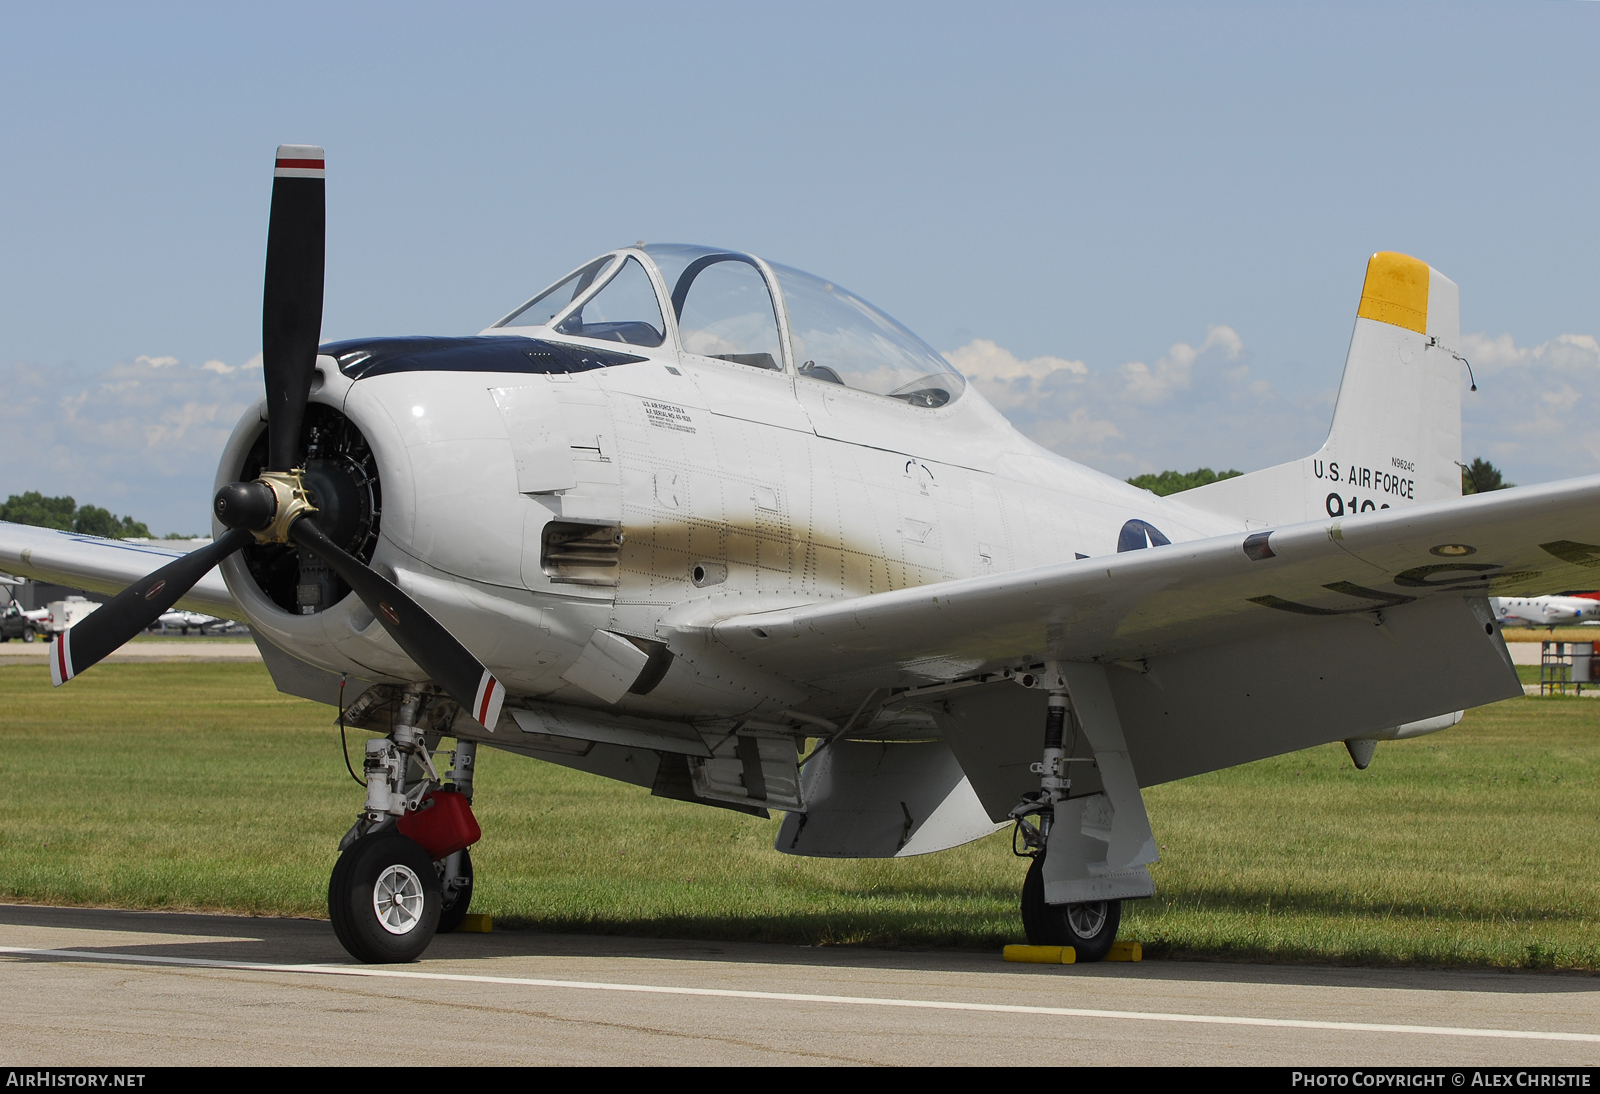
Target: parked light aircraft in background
1546 611
687 510
186 621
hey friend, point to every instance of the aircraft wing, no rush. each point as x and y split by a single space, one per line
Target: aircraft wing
102 565
1159 601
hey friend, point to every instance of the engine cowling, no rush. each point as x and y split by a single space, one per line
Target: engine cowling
289 596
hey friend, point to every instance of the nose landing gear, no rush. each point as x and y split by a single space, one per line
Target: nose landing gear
405 872
455 879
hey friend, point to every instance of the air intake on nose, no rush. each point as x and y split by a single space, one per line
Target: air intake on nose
581 554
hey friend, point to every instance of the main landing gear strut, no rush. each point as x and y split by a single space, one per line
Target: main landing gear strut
1089 927
405 872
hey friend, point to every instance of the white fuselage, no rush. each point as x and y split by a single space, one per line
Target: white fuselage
731 489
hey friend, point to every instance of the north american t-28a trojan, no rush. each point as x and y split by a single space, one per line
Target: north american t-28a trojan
689 512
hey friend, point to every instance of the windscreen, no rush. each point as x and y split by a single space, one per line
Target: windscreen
625 310
554 300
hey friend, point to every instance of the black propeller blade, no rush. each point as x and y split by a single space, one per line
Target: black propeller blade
291 305
275 507
133 609
450 664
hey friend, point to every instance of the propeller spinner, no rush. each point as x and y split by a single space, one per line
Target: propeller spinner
277 507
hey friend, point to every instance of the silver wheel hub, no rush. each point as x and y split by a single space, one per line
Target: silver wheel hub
1087 920
397 899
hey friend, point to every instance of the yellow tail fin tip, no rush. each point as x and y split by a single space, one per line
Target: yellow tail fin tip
1396 291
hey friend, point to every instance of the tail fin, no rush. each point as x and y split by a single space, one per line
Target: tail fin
1396 435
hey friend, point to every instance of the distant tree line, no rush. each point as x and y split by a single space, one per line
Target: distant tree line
1478 477
66 515
1173 482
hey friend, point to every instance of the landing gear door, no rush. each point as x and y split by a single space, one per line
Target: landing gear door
751 768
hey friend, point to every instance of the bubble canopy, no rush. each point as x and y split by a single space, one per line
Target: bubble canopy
735 307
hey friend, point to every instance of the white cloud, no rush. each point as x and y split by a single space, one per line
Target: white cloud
1202 404
1533 413
141 437
1198 405
1172 372
1078 431
1574 353
1005 379
982 358
225 369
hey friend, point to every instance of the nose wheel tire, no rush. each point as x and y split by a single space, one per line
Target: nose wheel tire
1089 928
384 900
457 897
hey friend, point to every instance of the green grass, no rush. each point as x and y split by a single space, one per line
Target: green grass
1472 846
197 786
1547 634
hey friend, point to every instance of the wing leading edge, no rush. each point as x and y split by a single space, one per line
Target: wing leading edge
102 565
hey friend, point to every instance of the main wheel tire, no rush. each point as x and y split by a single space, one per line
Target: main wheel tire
1089 928
384 899
454 908
29 635
338 908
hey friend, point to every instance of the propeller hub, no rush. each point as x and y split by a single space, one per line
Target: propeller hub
266 507
248 505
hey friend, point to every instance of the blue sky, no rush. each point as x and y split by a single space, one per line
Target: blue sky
1142 227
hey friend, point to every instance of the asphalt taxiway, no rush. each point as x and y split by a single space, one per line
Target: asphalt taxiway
174 649
93 987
